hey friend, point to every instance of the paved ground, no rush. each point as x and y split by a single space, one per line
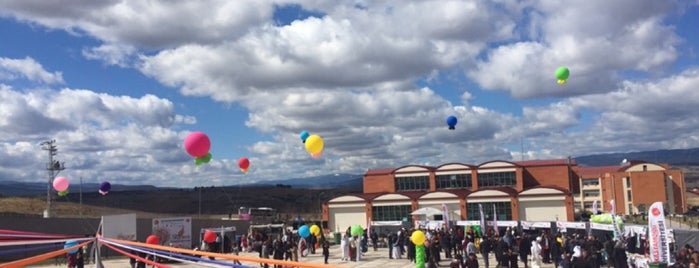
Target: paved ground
371 259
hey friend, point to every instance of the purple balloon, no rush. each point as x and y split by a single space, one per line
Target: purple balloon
105 186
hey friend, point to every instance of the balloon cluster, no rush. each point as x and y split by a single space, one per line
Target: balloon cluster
313 143
197 145
105 187
562 74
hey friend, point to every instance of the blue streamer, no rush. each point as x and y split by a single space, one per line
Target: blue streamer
19 250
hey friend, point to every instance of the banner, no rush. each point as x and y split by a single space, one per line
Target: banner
445 216
484 228
594 208
658 241
617 231
495 220
176 232
119 226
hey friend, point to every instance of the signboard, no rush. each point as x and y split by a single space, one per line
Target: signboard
658 241
119 226
175 232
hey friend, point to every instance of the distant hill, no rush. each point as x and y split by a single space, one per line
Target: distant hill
331 181
681 158
14 188
675 157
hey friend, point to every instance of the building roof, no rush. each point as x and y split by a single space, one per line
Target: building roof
549 162
381 171
587 172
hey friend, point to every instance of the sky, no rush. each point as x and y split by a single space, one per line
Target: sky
120 84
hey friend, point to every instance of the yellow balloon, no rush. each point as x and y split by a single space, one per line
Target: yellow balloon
561 82
315 230
418 237
314 144
244 170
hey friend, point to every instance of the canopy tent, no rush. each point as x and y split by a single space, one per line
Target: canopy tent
428 211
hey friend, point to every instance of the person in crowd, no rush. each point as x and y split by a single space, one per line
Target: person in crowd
620 255
486 247
511 258
374 239
410 253
471 261
565 261
500 251
344 246
470 247
244 243
536 253
71 260
79 258
326 250
457 262
445 243
525 249
278 251
358 248
396 249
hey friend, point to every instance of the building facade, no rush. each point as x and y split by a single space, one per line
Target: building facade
537 190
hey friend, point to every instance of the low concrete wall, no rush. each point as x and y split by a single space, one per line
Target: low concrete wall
88 227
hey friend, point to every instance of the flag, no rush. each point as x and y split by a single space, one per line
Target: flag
659 243
483 226
617 232
495 220
445 215
594 207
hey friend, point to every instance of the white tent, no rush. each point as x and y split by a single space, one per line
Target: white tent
428 211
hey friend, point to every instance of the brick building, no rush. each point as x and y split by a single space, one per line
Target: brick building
536 190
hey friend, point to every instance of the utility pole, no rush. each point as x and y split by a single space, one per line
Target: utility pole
53 167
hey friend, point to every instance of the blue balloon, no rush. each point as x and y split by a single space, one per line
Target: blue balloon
71 243
304 135
451 121
304 231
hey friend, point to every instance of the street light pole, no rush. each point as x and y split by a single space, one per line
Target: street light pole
53 167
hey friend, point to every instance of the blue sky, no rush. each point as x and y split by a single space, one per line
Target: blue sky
120 85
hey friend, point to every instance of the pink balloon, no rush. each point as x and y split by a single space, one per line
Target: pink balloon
317 155
60 184
197 144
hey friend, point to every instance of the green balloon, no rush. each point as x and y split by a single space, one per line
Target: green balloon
562 73
357 230
202 160
64 193
420 256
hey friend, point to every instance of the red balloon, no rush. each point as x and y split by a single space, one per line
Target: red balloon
209 237
243 163
153 240
197 144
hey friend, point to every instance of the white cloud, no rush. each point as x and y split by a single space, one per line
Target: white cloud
636 39
349 76
27 68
